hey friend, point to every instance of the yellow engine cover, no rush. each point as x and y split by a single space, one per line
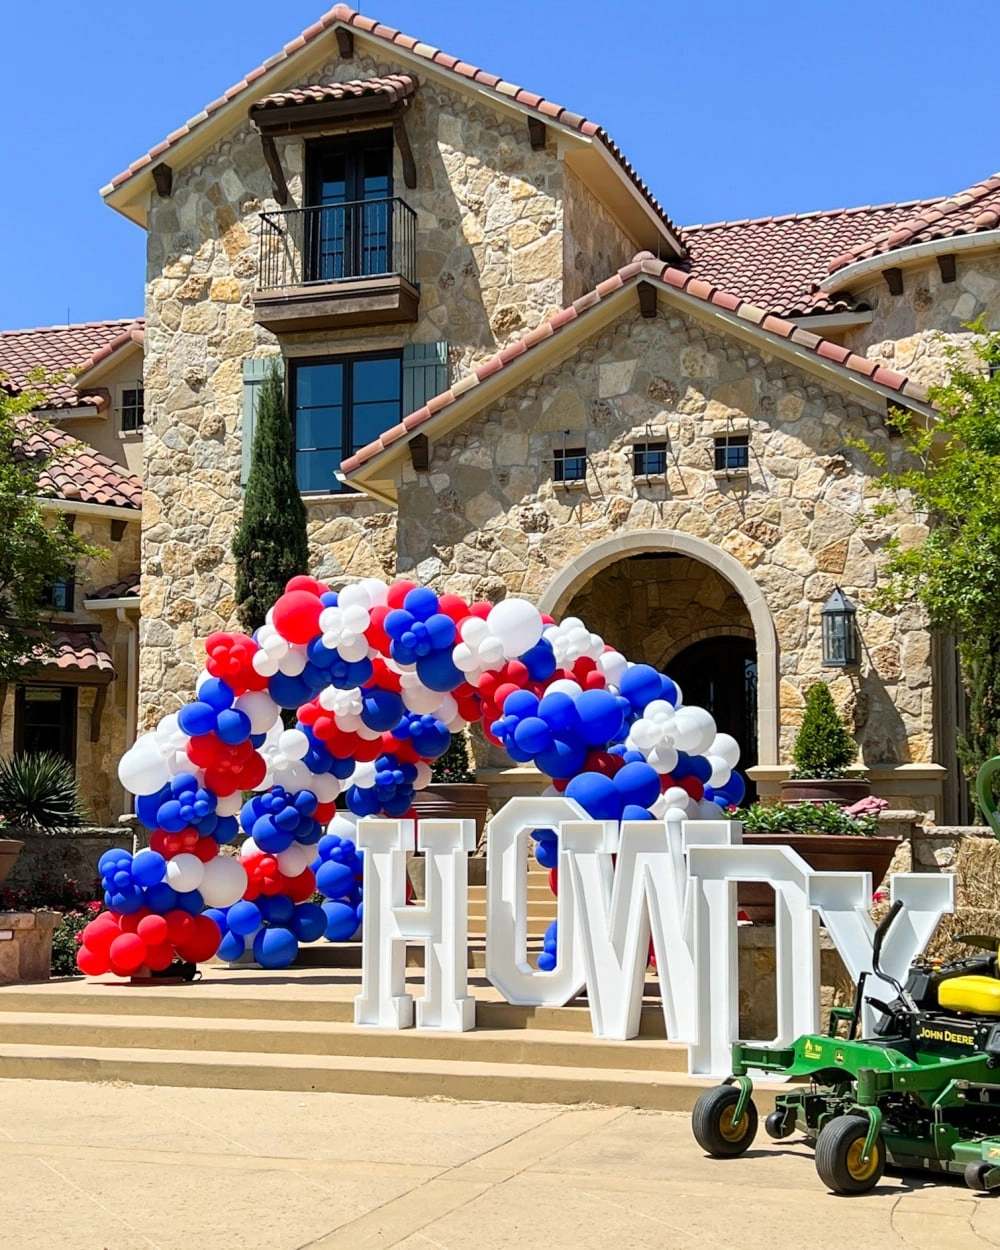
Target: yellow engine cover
976 994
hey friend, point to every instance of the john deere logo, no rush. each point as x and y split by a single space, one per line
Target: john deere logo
812 1050
993 1152
838 1056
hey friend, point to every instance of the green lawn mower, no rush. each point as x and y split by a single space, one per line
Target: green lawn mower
924 1092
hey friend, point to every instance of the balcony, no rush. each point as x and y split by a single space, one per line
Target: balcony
336 266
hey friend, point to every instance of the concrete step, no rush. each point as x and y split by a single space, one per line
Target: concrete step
195 1035
409 1077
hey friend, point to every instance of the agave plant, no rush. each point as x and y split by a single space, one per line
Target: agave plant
40 791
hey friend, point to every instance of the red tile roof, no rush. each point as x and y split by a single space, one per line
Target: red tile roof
127 589
394 87
77 650
975 209
778 262
646 268
61 350
344 15
80 474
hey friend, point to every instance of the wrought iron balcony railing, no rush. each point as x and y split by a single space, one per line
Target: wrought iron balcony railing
338 243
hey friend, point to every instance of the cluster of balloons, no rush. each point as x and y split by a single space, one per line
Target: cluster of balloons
379 678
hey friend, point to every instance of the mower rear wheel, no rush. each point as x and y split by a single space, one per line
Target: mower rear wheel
839 1161
713 1126
779 1124
975 1175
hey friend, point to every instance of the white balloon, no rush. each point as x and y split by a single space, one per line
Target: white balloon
663 759
378 591
726 748
613 665
424 775
293 744
565 685
695 731
344 825
707 810
294 662
674 815
295 859
415 695
229 805
248 848
185 873
325 787
223 882
721 772
260 707
353 648
674 796
142 769
518 625
264 664
363 776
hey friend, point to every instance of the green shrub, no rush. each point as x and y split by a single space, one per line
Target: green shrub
40 791
66 938
452 768
805 818
823 747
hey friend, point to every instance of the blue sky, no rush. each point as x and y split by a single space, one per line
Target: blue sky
727 109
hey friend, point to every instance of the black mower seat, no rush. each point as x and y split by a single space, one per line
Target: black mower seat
978 995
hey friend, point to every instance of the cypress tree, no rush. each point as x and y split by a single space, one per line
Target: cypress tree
270 544
981 668
823 747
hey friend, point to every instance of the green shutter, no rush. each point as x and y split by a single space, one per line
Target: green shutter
425 374
254 372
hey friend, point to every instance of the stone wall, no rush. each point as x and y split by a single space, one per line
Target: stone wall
594 245
488 520
490 247
910 332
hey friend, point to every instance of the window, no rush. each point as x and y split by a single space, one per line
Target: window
340 404
348 220
732 451
45 720
649 459
59 595
133 410
569 464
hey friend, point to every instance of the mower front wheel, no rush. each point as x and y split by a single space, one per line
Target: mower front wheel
713 1126
839 1156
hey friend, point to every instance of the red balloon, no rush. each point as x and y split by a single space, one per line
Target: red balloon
203 942
90 963
325 812
554 880
100 933
375 633
603 762
180 925
131 922
693 786
480 609
384 677
303 582
153 930
156 840
454 606
594 681
302 887
296 616
128 951
398 592
159 957
205 849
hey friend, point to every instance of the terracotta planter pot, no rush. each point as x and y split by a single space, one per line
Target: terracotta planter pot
440 801
842 790
823 851
9 851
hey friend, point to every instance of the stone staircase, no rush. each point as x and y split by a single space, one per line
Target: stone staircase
248 1029
541 904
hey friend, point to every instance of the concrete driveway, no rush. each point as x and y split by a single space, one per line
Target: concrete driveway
123 1167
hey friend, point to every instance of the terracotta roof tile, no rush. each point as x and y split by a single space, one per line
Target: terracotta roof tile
61 350
977 208
645 267
394 87
779 262
77 650
81 474
342 14
127 589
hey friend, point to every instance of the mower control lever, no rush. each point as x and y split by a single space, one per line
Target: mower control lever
880 933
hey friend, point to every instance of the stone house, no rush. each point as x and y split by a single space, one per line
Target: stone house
511 373
83 701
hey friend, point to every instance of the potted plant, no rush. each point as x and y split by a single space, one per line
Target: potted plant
453 792
38 793
822 753
830 838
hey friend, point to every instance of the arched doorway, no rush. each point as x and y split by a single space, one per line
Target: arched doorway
720 674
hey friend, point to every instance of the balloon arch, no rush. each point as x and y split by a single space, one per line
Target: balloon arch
380 677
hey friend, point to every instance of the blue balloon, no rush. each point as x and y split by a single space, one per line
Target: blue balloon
381 709
669 691
190 901
551 938
698 766
125 901
110 860
147 805
226 828
309 922
216 694
243 918
269 837
559 711
422 602
233 726
232 947
257 740
633 812
275 948
521 703
641 684
547 852
734 791
540 661
161 898
197 719
437 671
277 909
597 795
341 921
289 691
638 784
564 758
600 716
533 734
218 915
170 818
148 868
546 961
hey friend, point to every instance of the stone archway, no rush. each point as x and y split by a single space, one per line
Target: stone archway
715 597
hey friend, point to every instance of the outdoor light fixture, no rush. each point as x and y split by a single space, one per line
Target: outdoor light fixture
840 631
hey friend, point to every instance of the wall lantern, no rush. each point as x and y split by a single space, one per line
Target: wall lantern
840 631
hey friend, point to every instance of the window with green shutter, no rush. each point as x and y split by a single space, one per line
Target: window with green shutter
254 372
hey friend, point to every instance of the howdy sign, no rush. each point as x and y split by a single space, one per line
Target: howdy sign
619 886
